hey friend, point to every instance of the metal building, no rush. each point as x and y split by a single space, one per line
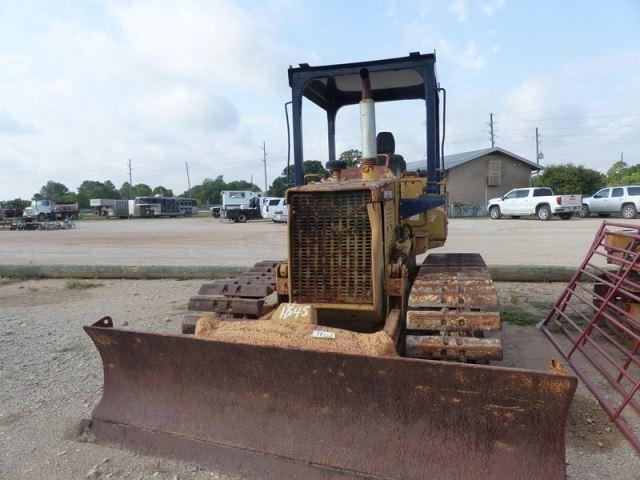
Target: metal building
475 177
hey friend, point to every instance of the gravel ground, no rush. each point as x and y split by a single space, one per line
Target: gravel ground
51 377
204 241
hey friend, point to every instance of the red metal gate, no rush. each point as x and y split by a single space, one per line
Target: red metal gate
595 324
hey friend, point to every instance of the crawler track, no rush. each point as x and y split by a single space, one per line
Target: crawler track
243 297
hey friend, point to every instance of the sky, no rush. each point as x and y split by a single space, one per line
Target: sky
87 85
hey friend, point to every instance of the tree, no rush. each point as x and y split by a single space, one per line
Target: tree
15 203
279 185
124 190
353 157
570 178
242 185
314 166
54 191
621 173
615 173
210 191
142 190
162 191
95 189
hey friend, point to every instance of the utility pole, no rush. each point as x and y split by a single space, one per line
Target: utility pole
186 164
130 185
264 159
251 179
621 157
130 180
493 143
539 154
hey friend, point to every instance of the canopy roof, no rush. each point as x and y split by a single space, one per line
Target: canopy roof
334 86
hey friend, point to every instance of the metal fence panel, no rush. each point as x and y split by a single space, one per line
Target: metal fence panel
456 210
595 324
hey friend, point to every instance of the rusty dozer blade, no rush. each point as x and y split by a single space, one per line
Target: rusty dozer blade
265 412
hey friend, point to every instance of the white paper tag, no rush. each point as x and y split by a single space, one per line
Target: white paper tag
323 334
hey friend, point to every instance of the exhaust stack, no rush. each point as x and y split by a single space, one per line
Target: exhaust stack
368 129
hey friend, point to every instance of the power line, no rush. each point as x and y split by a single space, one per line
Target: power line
607 107
592 147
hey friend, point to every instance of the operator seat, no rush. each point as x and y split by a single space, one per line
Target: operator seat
387 146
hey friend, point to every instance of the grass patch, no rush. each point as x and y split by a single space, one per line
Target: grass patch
9 280
77 284
517 316
546 306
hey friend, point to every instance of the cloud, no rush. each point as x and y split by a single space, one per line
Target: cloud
459 10
10 125
572 129
154 81
531 95
466 58
489 8
192 41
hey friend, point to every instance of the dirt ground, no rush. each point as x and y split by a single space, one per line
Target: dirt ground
51 377
205 241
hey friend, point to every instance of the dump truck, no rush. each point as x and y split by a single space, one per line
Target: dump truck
46 209
351 358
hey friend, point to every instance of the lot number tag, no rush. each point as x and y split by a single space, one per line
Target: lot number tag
323 334
291 310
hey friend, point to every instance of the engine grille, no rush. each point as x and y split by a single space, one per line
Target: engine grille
330 244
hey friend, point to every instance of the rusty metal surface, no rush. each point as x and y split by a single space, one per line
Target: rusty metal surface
596 327
272 413
452 347
330 247
451 304
453 320
242 297
459 280
233 288
233 306
347 185
189 322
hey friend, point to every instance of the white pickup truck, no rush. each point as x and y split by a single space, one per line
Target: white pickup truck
539 201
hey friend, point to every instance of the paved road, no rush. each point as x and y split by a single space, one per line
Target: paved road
204 241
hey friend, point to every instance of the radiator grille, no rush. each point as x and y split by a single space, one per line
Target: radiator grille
330 244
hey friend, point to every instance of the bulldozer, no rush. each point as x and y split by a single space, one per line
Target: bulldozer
354 358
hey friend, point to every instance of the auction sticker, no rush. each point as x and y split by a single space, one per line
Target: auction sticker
323 334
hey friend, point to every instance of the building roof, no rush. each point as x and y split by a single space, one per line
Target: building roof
452 161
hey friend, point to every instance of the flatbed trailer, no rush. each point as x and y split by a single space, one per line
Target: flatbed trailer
240 215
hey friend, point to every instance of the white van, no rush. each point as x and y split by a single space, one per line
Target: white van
281 214
273 204
264 201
